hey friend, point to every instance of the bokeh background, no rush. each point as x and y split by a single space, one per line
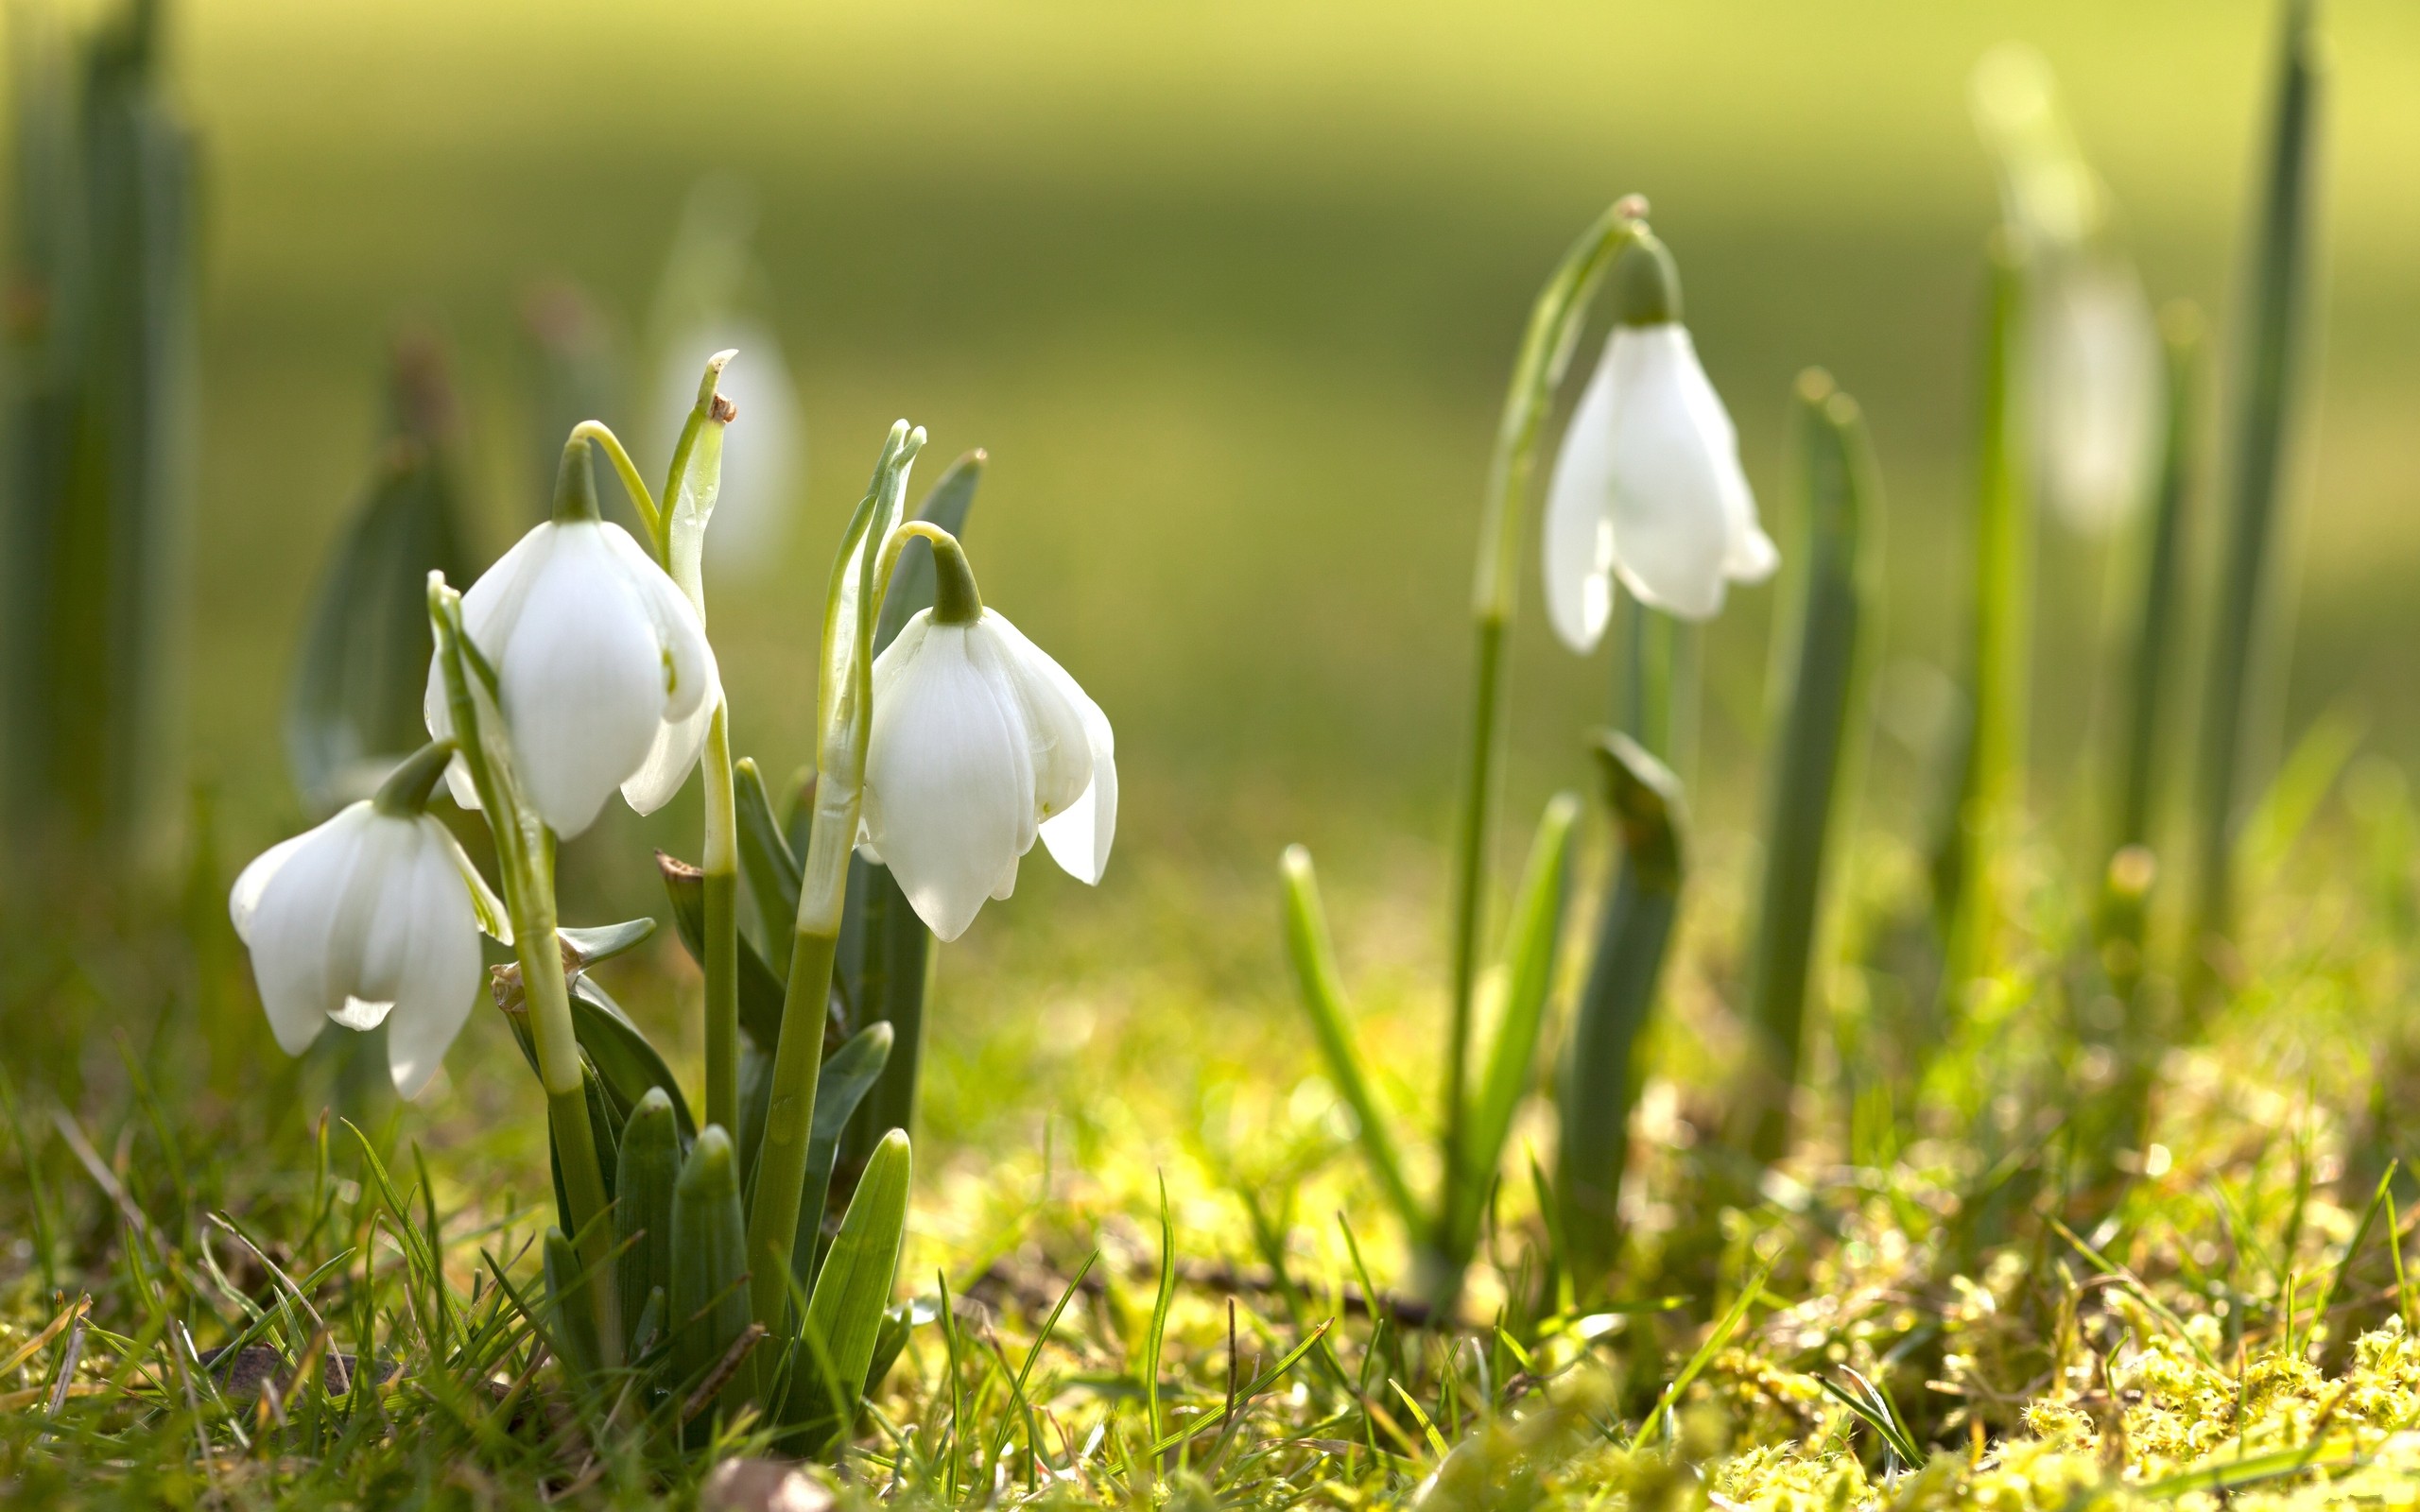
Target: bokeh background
1230 292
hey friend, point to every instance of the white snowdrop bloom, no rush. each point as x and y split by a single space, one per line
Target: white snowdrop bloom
1648 489
2095 391
373 917
595 651
980 742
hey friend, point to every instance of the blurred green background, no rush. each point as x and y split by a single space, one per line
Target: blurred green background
1230 292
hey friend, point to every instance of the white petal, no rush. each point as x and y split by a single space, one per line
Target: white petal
1578 535
1052 708
293 924
441 978
584 682
491 608
1672 463
691 687
1079 834
669 761
2096 392
246 897
949 779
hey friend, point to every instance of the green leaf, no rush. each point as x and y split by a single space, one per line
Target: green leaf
1833 597
593 947
355 706
882 968
643 1186
760 989
620 1054
901 1321
1601 1074
1313 957
767 863
844 1317
1530 956
709 1292
574 1321
846 1075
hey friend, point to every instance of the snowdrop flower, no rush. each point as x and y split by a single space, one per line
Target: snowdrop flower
373 917
595 651
979 743
2095 389
1648 487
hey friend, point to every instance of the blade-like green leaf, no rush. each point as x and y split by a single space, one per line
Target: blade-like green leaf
643 1188
845 1316
846 1076
1600 1076
1313 957
1819 672
883 968
760 991
766 864
593 947
1529 958
709 1292
575 1322
620 1054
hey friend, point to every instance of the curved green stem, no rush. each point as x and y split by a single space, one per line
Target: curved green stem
601 436
1553 331
525 860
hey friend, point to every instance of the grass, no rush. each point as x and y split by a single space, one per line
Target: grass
1991 1315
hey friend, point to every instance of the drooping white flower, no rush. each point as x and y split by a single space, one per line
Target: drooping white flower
1648 489
980 742
594 650
373 917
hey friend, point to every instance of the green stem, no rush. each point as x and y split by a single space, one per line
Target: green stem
721 867
1547 344
633 484
524 858
781 1161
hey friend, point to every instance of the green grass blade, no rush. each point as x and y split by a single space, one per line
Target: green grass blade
1600 1073
845 1316
1155 1339
1716 1338
1313 957
1811 776
2255 437
1537 929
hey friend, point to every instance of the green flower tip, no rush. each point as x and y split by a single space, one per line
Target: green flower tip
709 399
1647 287
575 484
710 1162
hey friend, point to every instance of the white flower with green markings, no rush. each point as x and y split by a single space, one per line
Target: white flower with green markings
596 651
372 917
980 743
1648 489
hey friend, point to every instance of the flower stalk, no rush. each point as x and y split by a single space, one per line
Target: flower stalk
844 705
1547 346
525 860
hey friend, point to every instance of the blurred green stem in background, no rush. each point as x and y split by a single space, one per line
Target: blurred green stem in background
1992 774
1655 682
99 425
845 707
1546 345
1817 688
525 862
1599 1079
2241 634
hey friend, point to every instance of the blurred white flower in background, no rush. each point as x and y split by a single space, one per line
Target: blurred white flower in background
2093 385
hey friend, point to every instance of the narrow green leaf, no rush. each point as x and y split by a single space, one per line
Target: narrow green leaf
1536 928
709 1267
846 1075
575 1322
884 969
2255 438
766 864
594 947
1600 1073
2159 599
1828 624
760 989
1315 972
620 1054
649 1168
845 1316
355 706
